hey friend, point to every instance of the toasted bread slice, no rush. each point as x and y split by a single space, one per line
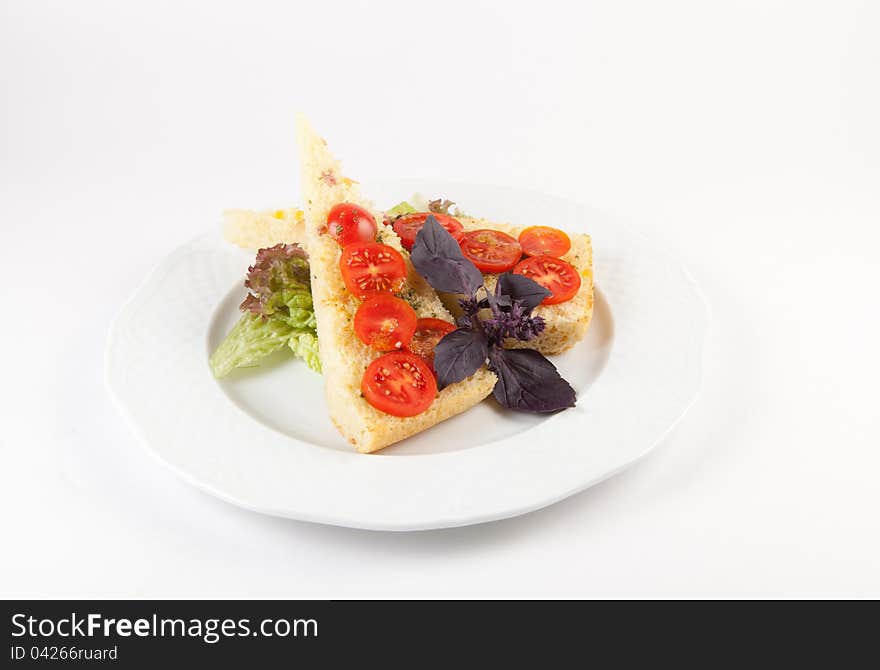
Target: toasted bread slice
566 322
256 230
343 356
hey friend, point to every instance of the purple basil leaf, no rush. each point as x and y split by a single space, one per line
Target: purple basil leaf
438 258
459 355
471 306
527 291
529 382
497 301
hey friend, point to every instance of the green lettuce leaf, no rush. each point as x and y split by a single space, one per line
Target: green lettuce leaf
278 311
305 346
250 340
300 312
400 209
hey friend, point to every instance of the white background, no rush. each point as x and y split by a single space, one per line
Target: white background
743 136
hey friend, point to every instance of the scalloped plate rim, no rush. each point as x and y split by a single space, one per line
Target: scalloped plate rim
433 520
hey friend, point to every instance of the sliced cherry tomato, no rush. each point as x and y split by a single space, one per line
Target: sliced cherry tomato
349 223
385 322
544 241
409 225
428 333
399 383
491 250
369 267
557 276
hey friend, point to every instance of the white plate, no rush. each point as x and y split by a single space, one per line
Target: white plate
261 439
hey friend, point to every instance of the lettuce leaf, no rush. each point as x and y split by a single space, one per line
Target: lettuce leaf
400 209
305 346
300 312
277 277
250 340
278 311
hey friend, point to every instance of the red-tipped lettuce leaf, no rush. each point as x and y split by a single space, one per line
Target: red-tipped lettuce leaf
277 273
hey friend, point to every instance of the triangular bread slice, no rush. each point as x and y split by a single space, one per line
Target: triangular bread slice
256 230
343 356
566 322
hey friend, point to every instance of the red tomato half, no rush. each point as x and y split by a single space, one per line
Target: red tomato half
385 322
369 267
400 384
491 250
557 276
428 333
349 223
409 225
544 241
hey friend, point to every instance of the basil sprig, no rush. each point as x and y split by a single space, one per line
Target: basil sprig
527 381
